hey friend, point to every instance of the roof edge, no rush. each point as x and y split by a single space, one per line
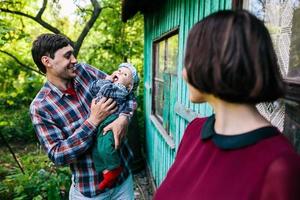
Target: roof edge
131 7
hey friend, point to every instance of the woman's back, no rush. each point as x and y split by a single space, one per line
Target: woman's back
247 166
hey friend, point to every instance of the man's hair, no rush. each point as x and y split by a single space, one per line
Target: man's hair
230 54
46 45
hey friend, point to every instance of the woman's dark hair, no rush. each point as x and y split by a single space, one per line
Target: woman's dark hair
230 54
46 45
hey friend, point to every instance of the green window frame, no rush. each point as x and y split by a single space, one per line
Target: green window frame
164 81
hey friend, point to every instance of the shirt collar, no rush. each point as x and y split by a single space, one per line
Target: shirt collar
58 91
227 142
54 88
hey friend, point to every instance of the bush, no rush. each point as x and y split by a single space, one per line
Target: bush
15 125
42 180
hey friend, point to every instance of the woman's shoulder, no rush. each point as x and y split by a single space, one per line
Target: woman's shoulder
197 123
194 128
278 145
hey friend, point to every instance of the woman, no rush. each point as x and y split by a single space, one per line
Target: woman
236 153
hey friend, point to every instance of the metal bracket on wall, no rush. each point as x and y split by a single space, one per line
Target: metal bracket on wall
184 112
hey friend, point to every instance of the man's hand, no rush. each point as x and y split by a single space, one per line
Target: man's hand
101 109
119 128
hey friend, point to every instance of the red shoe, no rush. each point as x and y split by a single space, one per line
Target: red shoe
109 178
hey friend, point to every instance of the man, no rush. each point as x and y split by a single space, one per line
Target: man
65 118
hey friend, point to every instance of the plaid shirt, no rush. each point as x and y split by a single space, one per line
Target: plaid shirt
116 91
60 121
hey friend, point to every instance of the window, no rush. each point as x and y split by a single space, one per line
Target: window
164 79
282 18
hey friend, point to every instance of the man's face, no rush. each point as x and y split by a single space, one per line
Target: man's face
62 65
123 76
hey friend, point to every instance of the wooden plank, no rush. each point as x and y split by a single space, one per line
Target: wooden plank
185 27
196 8
184 112
166 106
191 13
221 5
214 6
173 100
181 45
207 9
228 4
147 86
162 132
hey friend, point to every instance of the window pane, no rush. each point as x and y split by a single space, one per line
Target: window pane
161 60
282 18
294 67
172 54
158 98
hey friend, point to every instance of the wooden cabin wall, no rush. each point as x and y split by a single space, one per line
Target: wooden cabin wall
182 14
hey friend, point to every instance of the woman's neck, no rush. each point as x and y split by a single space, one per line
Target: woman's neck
234 119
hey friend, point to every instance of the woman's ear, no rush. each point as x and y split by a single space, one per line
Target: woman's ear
184 74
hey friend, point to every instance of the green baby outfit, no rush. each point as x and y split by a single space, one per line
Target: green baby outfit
104 154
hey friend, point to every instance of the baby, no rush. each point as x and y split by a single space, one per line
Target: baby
120 86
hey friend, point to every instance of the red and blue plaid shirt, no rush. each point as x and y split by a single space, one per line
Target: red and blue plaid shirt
60 121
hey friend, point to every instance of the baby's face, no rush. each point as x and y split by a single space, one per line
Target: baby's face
123 76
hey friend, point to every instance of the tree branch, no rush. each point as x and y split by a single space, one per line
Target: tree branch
83 9
41 11
36 19
16 13
109 6
20 63
88 25
12 152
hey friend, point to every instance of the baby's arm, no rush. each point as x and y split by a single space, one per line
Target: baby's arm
114 91
130 106
99 86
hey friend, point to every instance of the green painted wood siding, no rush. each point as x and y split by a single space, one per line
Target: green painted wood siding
182 14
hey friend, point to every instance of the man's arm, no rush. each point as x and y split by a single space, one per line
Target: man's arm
63 150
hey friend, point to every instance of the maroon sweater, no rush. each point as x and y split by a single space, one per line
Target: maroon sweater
257 165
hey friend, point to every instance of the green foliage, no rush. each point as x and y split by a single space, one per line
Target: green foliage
18 90
42 180
114 41
16 126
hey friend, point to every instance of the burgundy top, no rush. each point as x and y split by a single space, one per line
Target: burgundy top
257 165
